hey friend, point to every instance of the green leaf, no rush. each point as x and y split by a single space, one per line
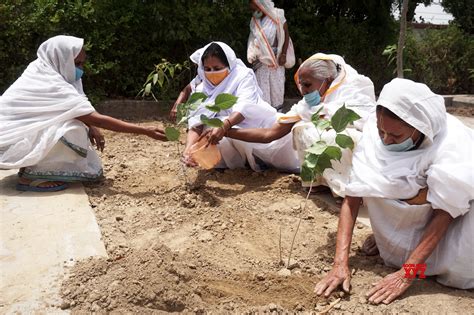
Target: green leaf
197 96
344 141
342 117
213 108
311 160
317 148
211 122
307 173
316 117
161 78
333 152
147 89
155 78
323 124
172 134
181 113
225 101
323 162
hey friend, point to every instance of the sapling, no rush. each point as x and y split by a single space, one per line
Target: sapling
183 110
319 156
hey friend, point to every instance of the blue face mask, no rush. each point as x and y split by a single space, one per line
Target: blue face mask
313 98
258 14
402 146
79 73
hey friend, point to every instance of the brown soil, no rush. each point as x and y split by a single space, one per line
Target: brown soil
214 247
467 111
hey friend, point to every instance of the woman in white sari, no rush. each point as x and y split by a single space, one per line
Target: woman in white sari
220 71
413 169
46 121
266 49
326 83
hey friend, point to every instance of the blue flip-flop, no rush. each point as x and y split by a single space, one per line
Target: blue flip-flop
34 186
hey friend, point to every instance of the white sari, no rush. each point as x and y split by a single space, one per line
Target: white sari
257 113
37 127
443 164
349 88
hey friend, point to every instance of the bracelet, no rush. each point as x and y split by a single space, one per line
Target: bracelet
282 54
230 125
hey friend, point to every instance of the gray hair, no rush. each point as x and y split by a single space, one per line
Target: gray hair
321 69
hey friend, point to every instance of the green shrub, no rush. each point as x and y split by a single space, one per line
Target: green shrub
442 59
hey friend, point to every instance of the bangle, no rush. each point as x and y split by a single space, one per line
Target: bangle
230 125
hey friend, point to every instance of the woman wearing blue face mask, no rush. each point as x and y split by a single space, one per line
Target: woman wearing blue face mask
326 83
47 124
413 168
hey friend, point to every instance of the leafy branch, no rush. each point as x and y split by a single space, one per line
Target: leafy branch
320 154
162 77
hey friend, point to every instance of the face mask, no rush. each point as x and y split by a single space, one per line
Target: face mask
216 77
313 98
401 147
258 14
79 73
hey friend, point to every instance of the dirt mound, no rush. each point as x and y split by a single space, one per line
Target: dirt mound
146 279
216 245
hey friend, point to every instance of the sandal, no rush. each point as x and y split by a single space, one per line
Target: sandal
34 186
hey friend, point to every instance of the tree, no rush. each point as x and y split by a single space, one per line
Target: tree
463 12
401 38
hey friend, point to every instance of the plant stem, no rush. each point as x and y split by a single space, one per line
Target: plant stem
183 168
279 248
299 223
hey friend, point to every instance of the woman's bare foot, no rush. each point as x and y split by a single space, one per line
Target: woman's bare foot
370 247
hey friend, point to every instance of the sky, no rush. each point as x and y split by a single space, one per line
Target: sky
433 14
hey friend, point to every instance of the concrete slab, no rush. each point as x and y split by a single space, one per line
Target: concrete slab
41 234
468 121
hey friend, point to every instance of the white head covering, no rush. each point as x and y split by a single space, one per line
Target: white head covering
36 110
262 33
239 74
349 88
440 163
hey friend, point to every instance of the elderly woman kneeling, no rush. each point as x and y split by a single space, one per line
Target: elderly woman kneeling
47 123
326 83
413 169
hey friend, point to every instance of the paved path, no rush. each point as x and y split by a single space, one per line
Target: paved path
41 234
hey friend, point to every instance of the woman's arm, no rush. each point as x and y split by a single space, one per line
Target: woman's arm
215 135
340 273
260 135
182 97
282 57
110 123
393 285
192 137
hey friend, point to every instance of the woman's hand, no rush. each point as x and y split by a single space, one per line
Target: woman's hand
216 135
282 59
172 115
97 138
155 133
340 274
389 288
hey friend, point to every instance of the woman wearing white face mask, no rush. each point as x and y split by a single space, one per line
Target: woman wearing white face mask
47 123
413 169
326 83
220 71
